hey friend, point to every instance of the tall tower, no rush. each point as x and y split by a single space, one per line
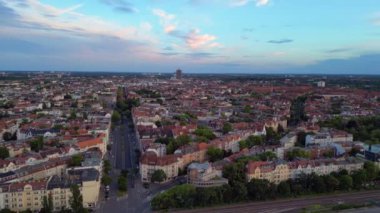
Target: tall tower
178 74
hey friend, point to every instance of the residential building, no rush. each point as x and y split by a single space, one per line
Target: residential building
203 175
150 162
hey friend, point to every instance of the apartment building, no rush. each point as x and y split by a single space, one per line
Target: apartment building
272 171
150 162
277 171
204 175
21 196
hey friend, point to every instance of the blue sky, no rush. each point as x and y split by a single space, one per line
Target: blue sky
218 36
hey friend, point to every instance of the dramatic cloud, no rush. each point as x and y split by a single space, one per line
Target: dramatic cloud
42 16
196 40
166 20
193 39
120 6
41 35
282 41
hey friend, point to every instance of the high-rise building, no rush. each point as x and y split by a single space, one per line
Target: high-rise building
321 83
178 74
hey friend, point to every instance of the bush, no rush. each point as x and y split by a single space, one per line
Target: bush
122 183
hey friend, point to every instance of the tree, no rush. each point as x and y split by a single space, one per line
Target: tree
106 166
37 144
122 183
106 180
203 131
76 200
251 141
371 170
331 183
258 189
7 136
247 109
115 116
47 204
318 184
158 123
182 196
235 173
359 178
301 138
6 210
345 182
173 144
215 153
239 191
158 176
267 156
297 153
243 144
183 140
73 115
272 135
284 189
227 127
76 160
4 152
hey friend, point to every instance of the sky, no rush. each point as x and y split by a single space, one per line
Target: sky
198 36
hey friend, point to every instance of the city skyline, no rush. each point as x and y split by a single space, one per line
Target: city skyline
214 36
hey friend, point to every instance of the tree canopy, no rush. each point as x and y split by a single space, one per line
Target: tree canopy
37 144
4 152
227 127
204 132
215 154
115 116
158 176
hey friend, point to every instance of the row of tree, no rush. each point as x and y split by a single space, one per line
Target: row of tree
124 105
239 190
106 178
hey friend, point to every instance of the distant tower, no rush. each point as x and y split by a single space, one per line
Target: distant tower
321 84
178 74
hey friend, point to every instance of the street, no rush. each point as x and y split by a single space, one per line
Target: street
123 157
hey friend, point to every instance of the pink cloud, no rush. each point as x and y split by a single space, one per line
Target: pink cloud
195 40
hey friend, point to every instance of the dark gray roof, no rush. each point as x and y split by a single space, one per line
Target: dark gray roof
89 174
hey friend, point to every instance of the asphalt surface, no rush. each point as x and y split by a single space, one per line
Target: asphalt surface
123 157
293 205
